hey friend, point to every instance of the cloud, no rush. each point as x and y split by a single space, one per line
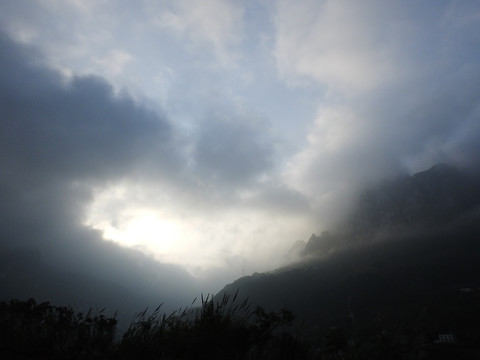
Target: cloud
232 150
80 158
263 119
59 142
115 61
75 130
402 91
336 42
215 23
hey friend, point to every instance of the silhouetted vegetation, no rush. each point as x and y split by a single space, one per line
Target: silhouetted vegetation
29 330
215 330
227 329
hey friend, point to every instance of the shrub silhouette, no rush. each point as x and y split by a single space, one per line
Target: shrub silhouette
225 329
216 330
32 329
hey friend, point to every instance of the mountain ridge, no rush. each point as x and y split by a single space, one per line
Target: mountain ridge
404 204
383 270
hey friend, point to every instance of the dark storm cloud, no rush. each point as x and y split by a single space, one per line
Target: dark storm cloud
59 140
71 130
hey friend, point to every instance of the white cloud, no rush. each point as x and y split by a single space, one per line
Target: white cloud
114 62
348 45
400 85
215 23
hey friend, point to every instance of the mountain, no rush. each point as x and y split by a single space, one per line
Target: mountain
426 200
408 253
432 197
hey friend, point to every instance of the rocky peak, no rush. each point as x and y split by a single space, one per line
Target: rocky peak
434 196
427 199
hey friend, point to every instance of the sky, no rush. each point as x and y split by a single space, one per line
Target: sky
186 143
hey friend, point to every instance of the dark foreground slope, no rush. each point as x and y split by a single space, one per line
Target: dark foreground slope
425 276
398 279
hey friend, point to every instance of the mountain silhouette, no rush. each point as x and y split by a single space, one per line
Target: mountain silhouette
427 200
408 250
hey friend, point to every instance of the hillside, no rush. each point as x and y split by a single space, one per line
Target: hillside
406 204
406 254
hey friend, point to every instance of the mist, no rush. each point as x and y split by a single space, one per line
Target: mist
152 156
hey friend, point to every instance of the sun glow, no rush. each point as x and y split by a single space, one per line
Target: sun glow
196 239
145 228
126 216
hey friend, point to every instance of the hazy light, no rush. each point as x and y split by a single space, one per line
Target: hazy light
197 240
144 228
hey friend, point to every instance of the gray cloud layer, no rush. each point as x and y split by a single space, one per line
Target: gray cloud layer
64 140
395 86
59 141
